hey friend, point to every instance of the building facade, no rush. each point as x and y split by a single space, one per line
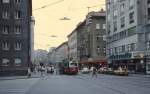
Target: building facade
91 39
72 46
61 53
96 37
128 35
15 44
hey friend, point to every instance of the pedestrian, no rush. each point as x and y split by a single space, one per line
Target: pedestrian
29 72
94 72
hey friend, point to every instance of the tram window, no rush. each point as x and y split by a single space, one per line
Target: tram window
73 64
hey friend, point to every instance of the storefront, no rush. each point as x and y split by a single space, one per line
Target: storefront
136 63
96 63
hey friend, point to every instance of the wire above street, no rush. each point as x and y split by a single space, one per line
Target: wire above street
48 5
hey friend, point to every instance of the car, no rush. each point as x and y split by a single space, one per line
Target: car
103 70
50 69
85 70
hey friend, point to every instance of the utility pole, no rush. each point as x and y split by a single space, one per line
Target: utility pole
88 9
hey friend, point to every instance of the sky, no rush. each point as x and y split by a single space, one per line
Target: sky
48 23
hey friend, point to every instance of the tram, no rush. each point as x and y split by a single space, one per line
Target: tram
70 67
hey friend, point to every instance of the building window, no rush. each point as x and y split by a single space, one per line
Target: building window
111 51
108 6
98 50
104 26
128 48
97 26
131 31
5 62
5 1
115 26
131 17
148 45
120 49
5 46
116 52
122 20
108 17
5 14
115 13
104 37
115 1
123 48
98 38
104 50
18 29
122 7
131 4
17 1
5 29
17 61
148 1
17 14
108 29
133 47
148 13
17 45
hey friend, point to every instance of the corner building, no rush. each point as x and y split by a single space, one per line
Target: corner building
128 34
15 45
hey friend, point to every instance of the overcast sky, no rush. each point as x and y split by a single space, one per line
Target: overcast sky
48 21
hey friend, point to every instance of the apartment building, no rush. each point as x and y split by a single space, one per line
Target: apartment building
15 39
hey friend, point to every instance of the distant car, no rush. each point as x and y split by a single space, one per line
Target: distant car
91 69
50 69
85 70
103 70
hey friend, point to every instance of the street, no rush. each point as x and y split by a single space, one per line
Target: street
77 84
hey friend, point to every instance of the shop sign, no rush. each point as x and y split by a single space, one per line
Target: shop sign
121 56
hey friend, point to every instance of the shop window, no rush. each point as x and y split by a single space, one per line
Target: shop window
17 61
5 62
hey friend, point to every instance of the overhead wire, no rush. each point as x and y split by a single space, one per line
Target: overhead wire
48 5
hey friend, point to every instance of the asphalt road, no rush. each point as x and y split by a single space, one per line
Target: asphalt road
79 84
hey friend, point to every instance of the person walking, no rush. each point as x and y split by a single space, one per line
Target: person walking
94 72
29 72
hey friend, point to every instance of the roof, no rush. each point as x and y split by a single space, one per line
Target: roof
61 45
77 27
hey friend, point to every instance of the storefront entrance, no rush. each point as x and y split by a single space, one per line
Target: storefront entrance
133 65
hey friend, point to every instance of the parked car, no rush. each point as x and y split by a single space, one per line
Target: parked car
50 69
103 70
121 71
85 70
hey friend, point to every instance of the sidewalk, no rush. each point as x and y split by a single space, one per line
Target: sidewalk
17 77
